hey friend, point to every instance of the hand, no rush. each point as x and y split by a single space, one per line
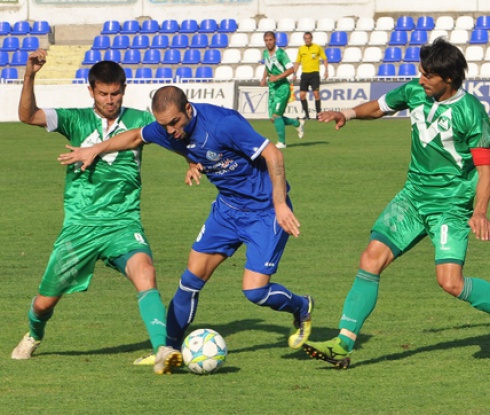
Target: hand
85 156
194 173
338 117
286 219
36 61
480 226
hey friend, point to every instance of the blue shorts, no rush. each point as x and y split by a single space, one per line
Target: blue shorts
227 228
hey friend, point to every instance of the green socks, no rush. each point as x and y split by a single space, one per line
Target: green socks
280 129
477 293
152 312
291 121
37 324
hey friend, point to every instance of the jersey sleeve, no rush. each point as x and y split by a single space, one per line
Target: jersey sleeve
321 53
397 99
283 58
155 133
66 120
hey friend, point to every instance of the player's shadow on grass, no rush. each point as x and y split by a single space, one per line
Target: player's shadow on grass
303 143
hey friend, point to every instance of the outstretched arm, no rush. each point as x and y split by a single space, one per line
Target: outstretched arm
366 111
479 223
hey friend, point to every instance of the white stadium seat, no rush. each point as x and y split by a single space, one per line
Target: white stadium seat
223 72
366 70
244 72
473 71
266 24
231 55
474 53
444 23
256 40
286 24
247 25
296 39
352 54
320 38
485 70
238 40
306 24
252 55
385 23
372 54
346 24
464 23
325 24
292 53
459 37
438 33
345 71
358 38
259 72
378 38
487 55
365 23
331 71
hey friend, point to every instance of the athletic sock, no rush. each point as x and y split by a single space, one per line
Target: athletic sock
37 323
152 312
291 121
359 304
304 105
278 298
477 293
182 308
280 129
318 107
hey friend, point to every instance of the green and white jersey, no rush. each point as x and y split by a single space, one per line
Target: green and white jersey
276 64
443 133
108 192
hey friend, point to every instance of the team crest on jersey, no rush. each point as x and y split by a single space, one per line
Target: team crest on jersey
444 123
213 155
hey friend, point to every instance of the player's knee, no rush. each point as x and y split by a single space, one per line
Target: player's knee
257 295
376 257
450 285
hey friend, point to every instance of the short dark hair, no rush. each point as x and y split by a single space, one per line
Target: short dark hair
308 34
270 33
444 59
167 96
106 72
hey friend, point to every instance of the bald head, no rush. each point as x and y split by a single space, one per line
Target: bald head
169 96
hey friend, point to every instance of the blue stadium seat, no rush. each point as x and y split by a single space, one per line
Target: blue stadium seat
219 40
19 58
407 69
164 74
228 26
412 54
4 58
482 22
418 37
172 56
101 42
143 76
112 55
338 38
204 72
129 75
191 57
425 23
130 27
40 27
281 39
9 73
10 43
159 42
404 23
392 54
5 28
169 26
81 76
211 57
183 74
180 41
131 57
479 36
398 37
140 42
152 57
188 26
334 55
120 42
149 26
21 28
30 43
208 26
110 27
387 69
91 57
199 40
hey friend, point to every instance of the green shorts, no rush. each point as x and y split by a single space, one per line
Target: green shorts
278 100
77 249
406 221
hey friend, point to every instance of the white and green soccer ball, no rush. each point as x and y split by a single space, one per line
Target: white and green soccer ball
204 351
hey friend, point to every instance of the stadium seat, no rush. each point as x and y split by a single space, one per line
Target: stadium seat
412 54
444 23
265 24
352 54
130 27
208 26
4 58
140 42
223 73
30 43
172 56
407 70
188 26
392 54
320 38
143 76
292 54
286 24
296 39
247 25
232 55
191 57
338 39
372 54
486 56
474 53
110 27
398 38
306 24
19 58
228 26
378 38
21 28
404 23
199 40
478 37
257 40
386 70
149 26
112 55
10 43
252 55
464 23
345 24
151 57
365 71
211 57
434 34
484 70
473 70
345 71
164 75
482 22
81 75
169 26
183 74
131 57
281 39
331 71
120 42
219 40
101 42
325 24
385 23
418 37
244 72
238 40
259 72
5 28
358 38
40 27
9 74
203 73
425 23
365 23
91 57
129 74
159 42
180 41
459 37
334 55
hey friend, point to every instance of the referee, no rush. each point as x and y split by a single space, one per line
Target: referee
309 56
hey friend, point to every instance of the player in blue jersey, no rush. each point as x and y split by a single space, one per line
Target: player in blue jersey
252 206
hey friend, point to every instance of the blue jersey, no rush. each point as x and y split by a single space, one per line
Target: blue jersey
228 148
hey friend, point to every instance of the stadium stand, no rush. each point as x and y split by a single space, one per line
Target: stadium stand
404 23
325 24
464 23
40 27
444 23
266 24
211 57
244 72
219 40
130 27
232 56
386 23
120 42
5 28
482 22
286 24
398 38
345 24
164 74
143 75
183 74
140 42
19 58
199 40
223 73
112 55
150 26
345 71
247 25
407 70
479 37
180 41
191 57
227 26
306 24
172 56
204 72
358 38
378 38
169 26
208 26
131 57
159 42
152 57
9 74
30 44
238 40
10 43
338 39
366 71
387 70
254 56
81 75
21 28
365 23
372 54
426 23
101 42
189 26
92 56
111 27
4 58
418 37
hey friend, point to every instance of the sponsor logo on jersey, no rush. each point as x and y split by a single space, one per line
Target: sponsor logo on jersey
444 123
213 155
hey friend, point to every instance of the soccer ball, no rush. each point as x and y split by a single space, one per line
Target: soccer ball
204 351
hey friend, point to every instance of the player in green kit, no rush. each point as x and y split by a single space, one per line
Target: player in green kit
278 67
102 208
445 196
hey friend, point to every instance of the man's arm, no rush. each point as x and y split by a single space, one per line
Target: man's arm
479 223
285 74
29 113
275 165
368 110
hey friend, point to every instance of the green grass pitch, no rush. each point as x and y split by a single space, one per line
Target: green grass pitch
421 351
